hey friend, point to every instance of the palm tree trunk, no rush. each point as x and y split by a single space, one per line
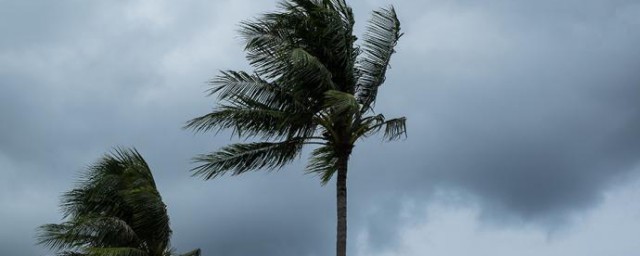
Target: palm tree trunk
341 189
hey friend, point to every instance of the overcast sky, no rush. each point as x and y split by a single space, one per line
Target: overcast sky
523 118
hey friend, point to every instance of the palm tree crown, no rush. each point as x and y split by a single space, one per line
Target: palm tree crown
115 210
311 85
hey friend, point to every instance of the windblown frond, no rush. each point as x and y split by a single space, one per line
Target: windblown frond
395 128
322 30
366 126
70 253
248 117
323 162
232 84
87 231
380 40
341 103
239 158
195 252
306 68
122 251
244 121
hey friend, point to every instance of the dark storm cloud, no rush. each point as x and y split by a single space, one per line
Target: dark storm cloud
277 214
529 107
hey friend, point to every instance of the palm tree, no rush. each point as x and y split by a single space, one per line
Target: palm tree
312 85
115 210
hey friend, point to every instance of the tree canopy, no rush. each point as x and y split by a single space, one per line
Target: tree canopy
115 210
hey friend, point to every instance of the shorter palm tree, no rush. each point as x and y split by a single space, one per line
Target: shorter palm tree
115 210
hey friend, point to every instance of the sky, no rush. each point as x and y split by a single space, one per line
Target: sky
523 127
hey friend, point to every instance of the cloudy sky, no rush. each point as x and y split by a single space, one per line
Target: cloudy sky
523 117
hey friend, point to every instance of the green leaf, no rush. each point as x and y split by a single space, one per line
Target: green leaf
242 157
341 103
383 33
232 84
395 128
241 119
195 252
122 251
323 163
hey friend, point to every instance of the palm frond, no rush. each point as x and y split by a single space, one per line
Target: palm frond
364 126
323 29
232 84
242 157
345 11
149 218
250 118
87 231
240 89
122 251
307 68
242 120
56 236
323 163
266 42
195 252
380 40
341 103
71 253
395 128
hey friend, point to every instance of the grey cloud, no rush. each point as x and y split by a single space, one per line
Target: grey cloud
527 107
287 216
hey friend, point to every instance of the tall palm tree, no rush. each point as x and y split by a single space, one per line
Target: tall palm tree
312 85
115 210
